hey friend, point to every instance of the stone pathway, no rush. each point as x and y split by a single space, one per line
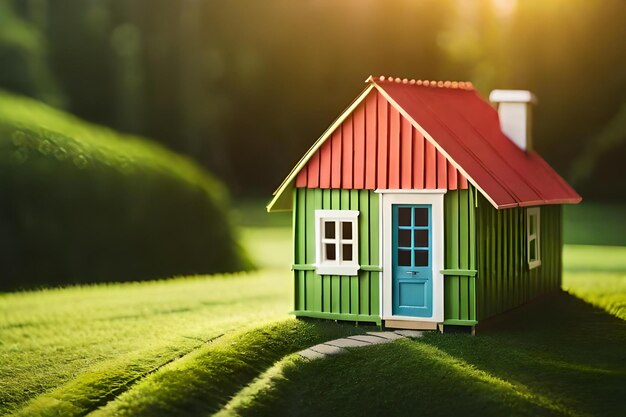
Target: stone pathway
335 347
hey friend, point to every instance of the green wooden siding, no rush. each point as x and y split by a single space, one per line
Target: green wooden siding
485 267
504 280
459 281
333 296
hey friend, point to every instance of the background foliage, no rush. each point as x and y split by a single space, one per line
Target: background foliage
244 87
81 203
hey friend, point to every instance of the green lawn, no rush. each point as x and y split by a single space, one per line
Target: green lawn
562 356
93 342
194 346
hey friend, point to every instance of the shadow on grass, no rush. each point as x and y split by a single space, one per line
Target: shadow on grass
564 346
560 356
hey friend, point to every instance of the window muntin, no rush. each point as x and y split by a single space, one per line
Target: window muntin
336 242
413 234
533 237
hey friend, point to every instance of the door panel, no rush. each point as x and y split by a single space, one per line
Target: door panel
412 260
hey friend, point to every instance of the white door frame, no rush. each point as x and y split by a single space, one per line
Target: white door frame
387 199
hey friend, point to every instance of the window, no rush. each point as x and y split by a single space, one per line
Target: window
336 235
533 227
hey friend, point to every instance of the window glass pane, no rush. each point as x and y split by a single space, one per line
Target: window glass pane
421 258
404 216
404 238
347 252
329 229
421 216
330 251
346 230
531 224
533 250
421 238
404 257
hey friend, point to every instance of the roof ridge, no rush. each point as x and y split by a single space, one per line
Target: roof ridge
455 85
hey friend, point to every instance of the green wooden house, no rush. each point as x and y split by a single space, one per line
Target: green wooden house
424 206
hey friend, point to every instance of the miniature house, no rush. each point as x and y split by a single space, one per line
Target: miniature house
421 206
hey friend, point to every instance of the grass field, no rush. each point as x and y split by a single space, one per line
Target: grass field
93 342
200 345
562 356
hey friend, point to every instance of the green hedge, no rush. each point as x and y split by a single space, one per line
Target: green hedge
82 203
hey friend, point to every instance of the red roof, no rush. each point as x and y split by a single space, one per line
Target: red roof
466 130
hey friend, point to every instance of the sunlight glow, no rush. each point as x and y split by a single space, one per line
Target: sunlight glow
504 8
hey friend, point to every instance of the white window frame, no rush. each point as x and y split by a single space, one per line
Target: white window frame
337 266
536 236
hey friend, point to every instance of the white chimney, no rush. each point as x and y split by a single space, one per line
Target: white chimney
514 110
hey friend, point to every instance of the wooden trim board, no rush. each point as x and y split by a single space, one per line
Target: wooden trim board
410 324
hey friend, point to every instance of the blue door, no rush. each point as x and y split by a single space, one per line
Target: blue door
412 276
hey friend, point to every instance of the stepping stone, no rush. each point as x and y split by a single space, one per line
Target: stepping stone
386 335
311 354
374 340
326 349
410 333
343 343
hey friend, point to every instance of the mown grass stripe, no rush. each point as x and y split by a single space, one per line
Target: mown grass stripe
203 381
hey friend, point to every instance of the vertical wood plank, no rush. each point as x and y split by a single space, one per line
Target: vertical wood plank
336 157
335 306
313 170
344 289
505 261
359 147
498 260
394 148
451 230
335 198
493 297
374 293
418 160
326 199
406 154
345 294
301 178
452 177
463 253
472 229
463 229
452 237
310 226
383 141
314 282
374 233
354 280
325 164
347 153
517 280
301 238
299 212
463 184
364 250
430 166
442 171
327 293
371 143
364 292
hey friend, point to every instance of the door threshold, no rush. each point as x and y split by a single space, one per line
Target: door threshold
410 324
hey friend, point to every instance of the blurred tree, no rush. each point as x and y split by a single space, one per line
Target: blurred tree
23 60
82 58
246 86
